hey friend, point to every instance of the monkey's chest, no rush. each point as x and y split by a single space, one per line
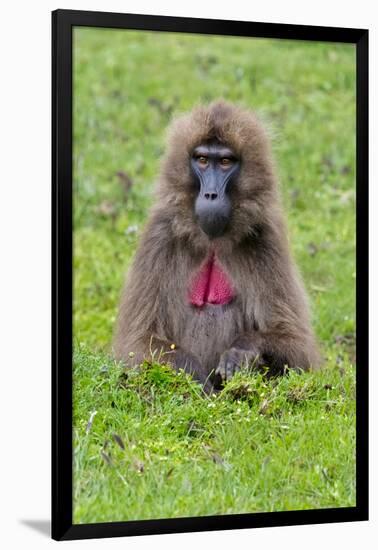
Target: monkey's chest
210 285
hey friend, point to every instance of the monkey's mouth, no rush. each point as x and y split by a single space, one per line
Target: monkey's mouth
211 285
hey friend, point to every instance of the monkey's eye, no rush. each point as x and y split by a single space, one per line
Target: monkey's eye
226 162
203 161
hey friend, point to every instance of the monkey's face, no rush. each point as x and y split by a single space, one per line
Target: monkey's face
215 168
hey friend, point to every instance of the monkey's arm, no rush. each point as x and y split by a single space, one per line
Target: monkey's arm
141 331
282 336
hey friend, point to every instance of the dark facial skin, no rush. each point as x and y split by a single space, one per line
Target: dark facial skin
214 167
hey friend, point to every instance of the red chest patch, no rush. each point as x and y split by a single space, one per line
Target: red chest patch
211 285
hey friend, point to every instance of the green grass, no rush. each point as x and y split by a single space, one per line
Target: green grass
289 443
158 447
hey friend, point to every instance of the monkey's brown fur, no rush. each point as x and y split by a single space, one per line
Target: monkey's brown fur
268 318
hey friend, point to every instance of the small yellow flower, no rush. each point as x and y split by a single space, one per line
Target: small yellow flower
173 346
131 354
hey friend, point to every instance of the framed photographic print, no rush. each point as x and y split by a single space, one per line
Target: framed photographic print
210 266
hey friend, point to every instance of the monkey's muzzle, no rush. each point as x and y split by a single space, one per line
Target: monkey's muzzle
213 206
213 215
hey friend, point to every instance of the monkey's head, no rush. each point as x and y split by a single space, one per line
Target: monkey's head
217 176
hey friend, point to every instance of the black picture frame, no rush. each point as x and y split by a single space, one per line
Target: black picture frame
63 22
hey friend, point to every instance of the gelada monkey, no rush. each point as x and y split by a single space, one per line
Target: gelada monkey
213 287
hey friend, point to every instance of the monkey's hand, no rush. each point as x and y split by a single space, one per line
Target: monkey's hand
181 359
234 360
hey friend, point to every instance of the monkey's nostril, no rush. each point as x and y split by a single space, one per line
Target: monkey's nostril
211 196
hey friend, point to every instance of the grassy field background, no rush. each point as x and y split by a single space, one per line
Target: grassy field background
152 445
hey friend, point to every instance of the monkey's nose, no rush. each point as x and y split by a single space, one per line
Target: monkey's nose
211 196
